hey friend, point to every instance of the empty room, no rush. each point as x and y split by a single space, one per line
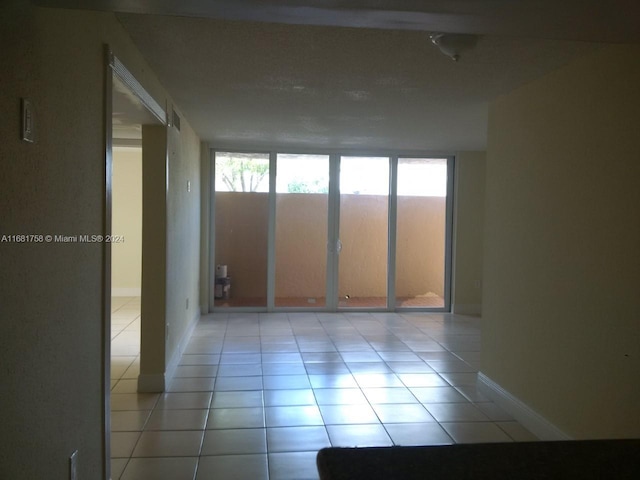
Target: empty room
236 233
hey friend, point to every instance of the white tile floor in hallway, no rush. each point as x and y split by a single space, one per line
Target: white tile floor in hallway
256 395
125 344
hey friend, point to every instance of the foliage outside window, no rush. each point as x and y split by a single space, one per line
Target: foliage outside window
242 172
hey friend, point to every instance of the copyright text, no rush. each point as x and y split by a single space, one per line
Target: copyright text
59 238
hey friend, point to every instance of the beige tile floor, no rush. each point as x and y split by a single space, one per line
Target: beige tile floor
256 395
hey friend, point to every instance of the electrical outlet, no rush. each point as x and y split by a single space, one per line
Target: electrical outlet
73 466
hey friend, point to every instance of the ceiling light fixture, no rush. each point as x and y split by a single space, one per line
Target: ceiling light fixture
453 44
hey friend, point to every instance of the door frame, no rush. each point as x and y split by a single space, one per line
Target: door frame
114 66
390 280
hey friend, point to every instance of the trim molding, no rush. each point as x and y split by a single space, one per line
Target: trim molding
126 292
529 418
137 89
135 143
467 308
106 263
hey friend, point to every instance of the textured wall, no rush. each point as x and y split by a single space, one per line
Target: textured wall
51 296
301 245
468 232
362 269
153 307
51 300
561 302
420 246
241 240
183 234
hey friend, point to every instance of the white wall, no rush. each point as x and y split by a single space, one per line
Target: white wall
52 302
126 259
171 250
561 268
183 239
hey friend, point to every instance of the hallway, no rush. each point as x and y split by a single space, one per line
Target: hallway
256 395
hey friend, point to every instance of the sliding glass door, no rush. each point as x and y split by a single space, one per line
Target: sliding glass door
301 218
363 233
331 232
241 229
421 228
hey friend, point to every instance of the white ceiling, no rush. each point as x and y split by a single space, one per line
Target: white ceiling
356 74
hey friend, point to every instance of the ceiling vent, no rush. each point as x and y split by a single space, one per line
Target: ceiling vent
175 119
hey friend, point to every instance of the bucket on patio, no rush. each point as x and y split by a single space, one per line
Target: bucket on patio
222 288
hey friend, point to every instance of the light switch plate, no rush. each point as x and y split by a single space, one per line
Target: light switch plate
27 120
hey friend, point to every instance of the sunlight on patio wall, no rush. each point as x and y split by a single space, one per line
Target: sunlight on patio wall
301 245
364 234
241 241
244 216
420 246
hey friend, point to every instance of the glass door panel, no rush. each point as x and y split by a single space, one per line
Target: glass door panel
421 232
302 193
364 208
241 229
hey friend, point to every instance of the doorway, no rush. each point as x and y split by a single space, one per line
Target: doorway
126 228
128 107
330 232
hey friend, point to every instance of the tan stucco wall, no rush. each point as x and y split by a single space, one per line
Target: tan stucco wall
420 246
126 260
301 245
241 240
362 269
561 267
301 255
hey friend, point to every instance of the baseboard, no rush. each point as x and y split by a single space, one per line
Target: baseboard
158 382
529 418
126 292
467 309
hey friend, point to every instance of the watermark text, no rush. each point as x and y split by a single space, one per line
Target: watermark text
60 238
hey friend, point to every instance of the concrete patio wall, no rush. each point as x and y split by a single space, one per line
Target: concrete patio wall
301 238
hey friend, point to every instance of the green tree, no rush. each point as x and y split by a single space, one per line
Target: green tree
242 172
301 186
